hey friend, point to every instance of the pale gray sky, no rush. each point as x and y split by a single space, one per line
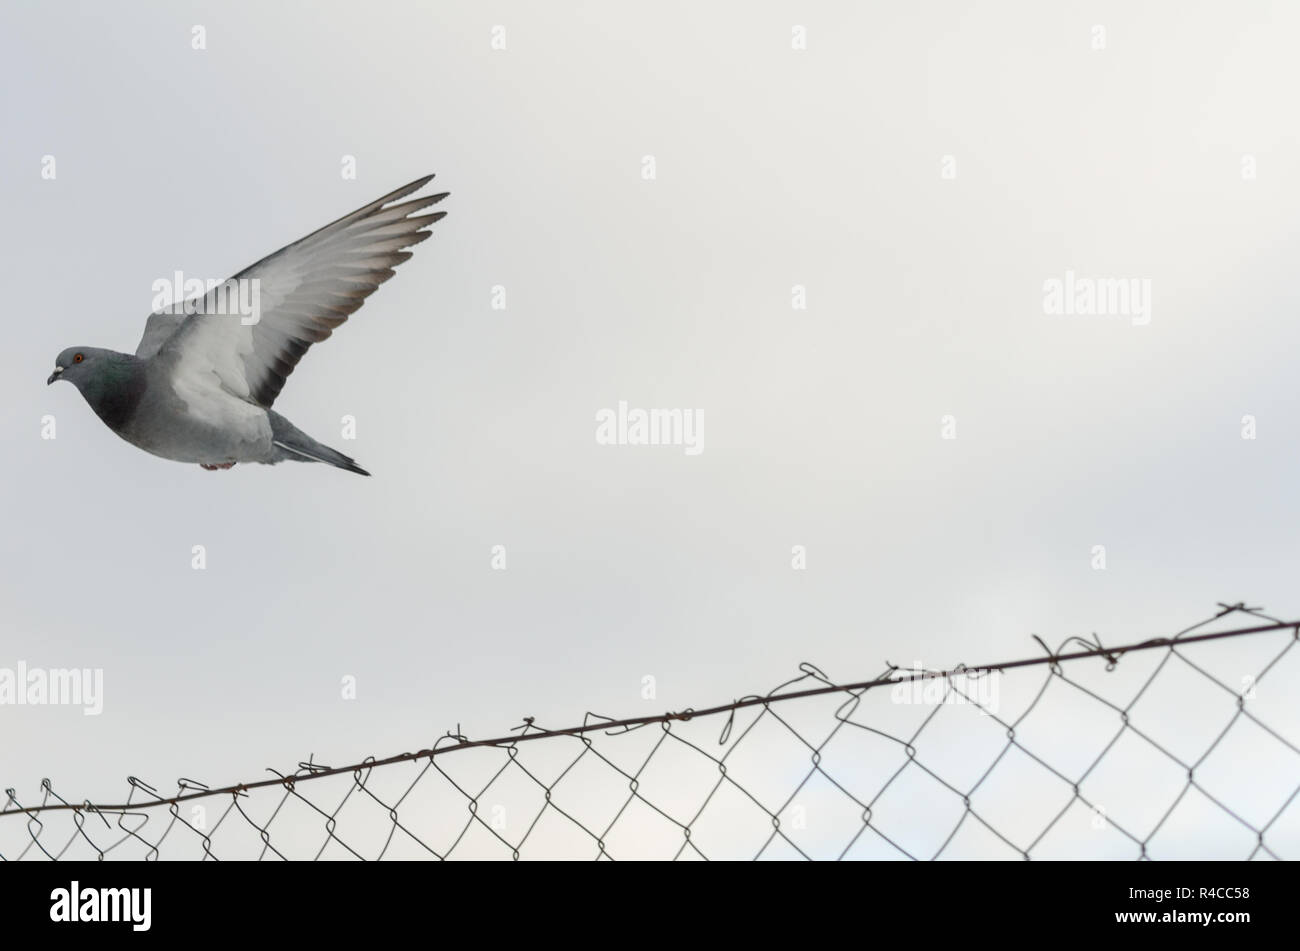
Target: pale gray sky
775 167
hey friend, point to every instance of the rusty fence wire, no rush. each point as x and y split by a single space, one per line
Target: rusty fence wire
1185 746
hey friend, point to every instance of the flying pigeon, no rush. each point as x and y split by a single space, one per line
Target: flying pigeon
200 385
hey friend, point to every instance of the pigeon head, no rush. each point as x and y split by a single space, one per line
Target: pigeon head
78 365
112 383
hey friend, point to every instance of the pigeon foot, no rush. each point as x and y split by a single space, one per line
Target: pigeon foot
213 468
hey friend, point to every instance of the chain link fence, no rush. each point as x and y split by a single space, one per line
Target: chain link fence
1180 747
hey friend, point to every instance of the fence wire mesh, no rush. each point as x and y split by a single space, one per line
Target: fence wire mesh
1179 747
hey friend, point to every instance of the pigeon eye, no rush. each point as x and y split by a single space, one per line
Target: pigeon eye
78 358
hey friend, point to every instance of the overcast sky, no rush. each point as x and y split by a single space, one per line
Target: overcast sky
921 172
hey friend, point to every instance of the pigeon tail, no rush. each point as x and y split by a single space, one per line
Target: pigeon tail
292 443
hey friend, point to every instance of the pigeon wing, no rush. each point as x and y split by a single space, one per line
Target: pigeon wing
304 291
157 329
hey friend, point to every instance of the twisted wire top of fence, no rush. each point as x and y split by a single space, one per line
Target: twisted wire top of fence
876 795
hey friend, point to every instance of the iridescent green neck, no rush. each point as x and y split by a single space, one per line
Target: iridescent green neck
115 388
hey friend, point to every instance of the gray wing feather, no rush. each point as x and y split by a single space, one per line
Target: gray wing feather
157 329
306 289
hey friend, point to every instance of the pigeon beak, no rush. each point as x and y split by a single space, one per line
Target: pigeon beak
54 376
